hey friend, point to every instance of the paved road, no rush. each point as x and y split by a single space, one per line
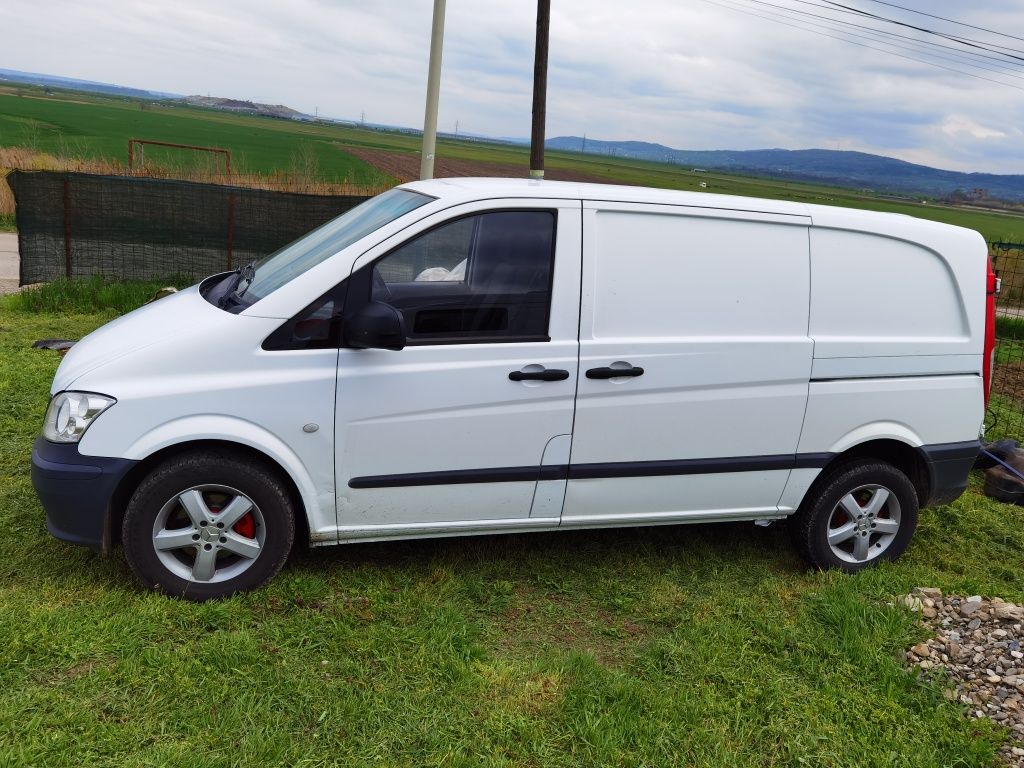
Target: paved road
8 262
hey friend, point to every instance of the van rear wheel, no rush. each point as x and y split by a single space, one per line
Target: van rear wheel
208 524
858 515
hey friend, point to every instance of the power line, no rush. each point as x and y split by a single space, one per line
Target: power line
958 51
943 18
958 56
870 47
957 39
827 5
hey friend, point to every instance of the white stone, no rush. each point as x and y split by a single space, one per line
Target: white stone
1008 611
911 602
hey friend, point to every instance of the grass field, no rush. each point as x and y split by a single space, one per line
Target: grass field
702 646
99 127
91 126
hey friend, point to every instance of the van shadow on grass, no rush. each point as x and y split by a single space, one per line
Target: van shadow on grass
602 594
590 548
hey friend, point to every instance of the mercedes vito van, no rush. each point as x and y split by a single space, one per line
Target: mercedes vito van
473 356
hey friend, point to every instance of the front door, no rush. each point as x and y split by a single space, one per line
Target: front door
451 433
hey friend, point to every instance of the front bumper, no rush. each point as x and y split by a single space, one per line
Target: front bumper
76 491
949 465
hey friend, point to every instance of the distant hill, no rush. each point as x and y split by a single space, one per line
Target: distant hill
73 84
885 175
240 105
215 102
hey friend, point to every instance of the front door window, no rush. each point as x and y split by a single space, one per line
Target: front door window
485 277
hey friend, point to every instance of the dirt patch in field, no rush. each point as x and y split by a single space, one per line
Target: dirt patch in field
405 166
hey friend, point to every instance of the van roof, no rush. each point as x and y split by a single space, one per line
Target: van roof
456 190
459 189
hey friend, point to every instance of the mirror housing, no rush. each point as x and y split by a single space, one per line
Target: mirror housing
375 326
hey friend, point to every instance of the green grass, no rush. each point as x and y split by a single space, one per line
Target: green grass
1004 418
7 223
94 294
94 126
1009 328
701 646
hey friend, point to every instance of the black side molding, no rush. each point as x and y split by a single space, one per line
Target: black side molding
599 470
462 476
949 465
697 466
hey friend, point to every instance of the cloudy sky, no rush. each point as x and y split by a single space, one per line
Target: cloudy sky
692 74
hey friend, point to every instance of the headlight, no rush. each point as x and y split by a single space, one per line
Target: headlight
71 413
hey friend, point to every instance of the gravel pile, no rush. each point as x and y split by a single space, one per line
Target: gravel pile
978 643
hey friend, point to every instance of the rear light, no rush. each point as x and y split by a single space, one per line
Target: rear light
991 289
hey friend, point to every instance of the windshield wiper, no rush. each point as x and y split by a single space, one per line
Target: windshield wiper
228 290
232 292
245 275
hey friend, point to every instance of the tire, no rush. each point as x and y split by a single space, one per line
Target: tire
208 524
857 515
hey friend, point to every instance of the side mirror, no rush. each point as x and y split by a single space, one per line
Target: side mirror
375 326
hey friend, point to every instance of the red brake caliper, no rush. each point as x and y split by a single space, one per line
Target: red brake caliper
246 525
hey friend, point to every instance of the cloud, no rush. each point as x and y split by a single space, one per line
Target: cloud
706 74
958 125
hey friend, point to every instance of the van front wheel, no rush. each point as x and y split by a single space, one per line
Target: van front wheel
859 514
208 524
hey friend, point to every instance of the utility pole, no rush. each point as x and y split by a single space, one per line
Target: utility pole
540 89
433 92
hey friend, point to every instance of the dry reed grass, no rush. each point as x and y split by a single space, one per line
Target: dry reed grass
302 177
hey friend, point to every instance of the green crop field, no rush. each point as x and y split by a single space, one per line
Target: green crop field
98 127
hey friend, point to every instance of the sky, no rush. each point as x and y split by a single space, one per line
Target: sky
691 74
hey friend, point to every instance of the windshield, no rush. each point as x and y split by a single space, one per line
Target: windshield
309 250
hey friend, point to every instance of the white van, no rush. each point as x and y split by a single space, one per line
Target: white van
473 356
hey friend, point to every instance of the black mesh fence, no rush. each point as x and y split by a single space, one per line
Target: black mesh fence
1006 405
129 228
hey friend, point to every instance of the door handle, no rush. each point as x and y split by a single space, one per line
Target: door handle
612 373
550 374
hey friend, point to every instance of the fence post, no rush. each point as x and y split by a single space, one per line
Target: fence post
67 228
231 230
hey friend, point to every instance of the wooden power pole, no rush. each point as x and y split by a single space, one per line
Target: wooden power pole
540 89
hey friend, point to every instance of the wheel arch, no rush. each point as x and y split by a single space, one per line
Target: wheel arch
903 455
130 482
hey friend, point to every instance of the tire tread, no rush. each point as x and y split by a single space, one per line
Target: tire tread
138 513
809 516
